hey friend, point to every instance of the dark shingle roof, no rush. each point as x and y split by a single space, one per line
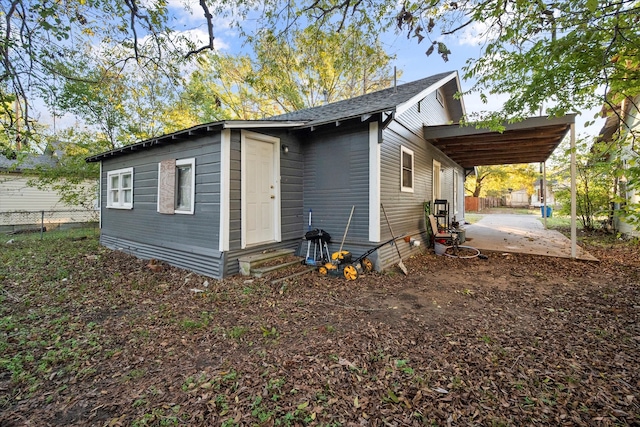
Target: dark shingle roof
383 100
386 99
29 162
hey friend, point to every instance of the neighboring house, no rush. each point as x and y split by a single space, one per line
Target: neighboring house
537 197
20 203
202 197
517 199
621 123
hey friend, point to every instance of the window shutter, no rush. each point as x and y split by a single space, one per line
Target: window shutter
166 187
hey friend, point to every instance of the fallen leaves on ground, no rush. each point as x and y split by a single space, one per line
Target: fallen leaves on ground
90 336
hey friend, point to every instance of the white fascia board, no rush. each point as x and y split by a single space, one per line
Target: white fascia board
414 100
461 100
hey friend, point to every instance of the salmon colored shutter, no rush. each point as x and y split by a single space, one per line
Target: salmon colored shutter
166 187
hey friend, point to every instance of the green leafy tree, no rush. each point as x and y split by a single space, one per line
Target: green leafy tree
149 98
98 99
496 180
310 69
18 139
44 44
557 54
221 89
596 182
313 67
122 107
474 184
119 108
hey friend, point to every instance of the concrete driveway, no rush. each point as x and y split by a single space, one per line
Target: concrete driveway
520 234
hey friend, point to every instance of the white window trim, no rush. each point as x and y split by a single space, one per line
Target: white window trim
121 204
403 150
180 162
191 162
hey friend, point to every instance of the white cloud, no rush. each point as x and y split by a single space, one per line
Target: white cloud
189 13
475 34
201 37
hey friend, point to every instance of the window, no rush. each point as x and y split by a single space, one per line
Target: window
440 97
120 189
185 185
406 170
176 186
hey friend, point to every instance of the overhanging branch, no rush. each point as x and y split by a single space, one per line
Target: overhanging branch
209 19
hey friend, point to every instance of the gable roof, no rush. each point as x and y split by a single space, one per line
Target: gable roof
394 99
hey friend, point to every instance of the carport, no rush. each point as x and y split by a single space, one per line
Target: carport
528 141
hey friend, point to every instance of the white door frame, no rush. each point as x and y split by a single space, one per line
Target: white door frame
456 188
244 135
436 185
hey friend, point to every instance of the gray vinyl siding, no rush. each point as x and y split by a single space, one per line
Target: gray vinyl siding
405 209
336 177
290 192
187 241
326 169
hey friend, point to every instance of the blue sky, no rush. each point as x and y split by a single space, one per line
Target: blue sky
411 60
415 64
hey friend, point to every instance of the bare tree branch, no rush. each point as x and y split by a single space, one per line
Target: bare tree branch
209 18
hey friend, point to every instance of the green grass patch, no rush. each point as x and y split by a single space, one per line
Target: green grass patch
472 218
54 233
42 338
559 222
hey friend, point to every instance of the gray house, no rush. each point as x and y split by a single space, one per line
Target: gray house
202 197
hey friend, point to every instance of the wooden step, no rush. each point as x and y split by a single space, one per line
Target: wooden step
262 271
249 262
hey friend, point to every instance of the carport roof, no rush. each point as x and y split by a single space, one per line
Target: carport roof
529 141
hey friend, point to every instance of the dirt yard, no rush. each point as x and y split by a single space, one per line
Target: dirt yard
94 337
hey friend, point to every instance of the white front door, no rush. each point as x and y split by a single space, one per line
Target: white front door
260 189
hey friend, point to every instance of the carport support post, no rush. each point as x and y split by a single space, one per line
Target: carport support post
543 191
573 190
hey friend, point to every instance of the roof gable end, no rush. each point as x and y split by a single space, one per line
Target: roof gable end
401 108
392 99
